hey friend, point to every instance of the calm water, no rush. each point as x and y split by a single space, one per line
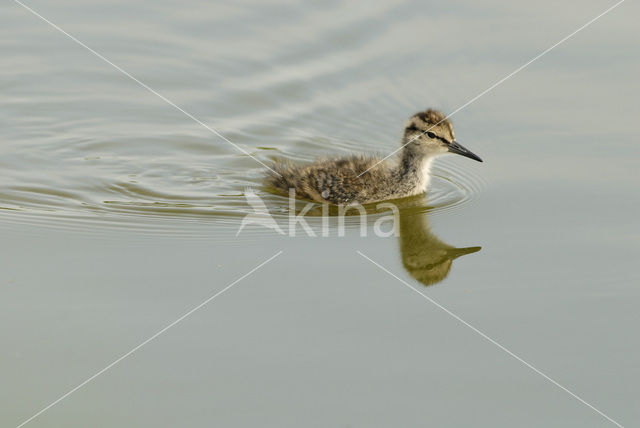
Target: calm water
118 214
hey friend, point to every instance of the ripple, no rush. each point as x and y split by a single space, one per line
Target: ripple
186 203
117 158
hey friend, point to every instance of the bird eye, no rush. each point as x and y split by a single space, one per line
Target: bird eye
431 134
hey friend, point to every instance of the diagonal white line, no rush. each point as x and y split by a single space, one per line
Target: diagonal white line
144 85
514 72
147 340
490 340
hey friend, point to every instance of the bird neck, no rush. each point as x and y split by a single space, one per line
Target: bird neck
414 168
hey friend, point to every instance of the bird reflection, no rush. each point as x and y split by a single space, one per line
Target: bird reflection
424 256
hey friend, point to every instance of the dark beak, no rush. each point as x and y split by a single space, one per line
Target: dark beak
457 148
454 253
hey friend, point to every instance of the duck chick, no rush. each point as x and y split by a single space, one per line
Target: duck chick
366 179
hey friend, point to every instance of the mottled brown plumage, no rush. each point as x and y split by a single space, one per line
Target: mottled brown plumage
366 179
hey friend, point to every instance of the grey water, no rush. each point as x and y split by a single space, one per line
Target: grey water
119 214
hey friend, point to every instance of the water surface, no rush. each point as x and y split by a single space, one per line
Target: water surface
118 214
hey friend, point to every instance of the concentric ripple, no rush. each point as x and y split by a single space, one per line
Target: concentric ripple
86 149
171 195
